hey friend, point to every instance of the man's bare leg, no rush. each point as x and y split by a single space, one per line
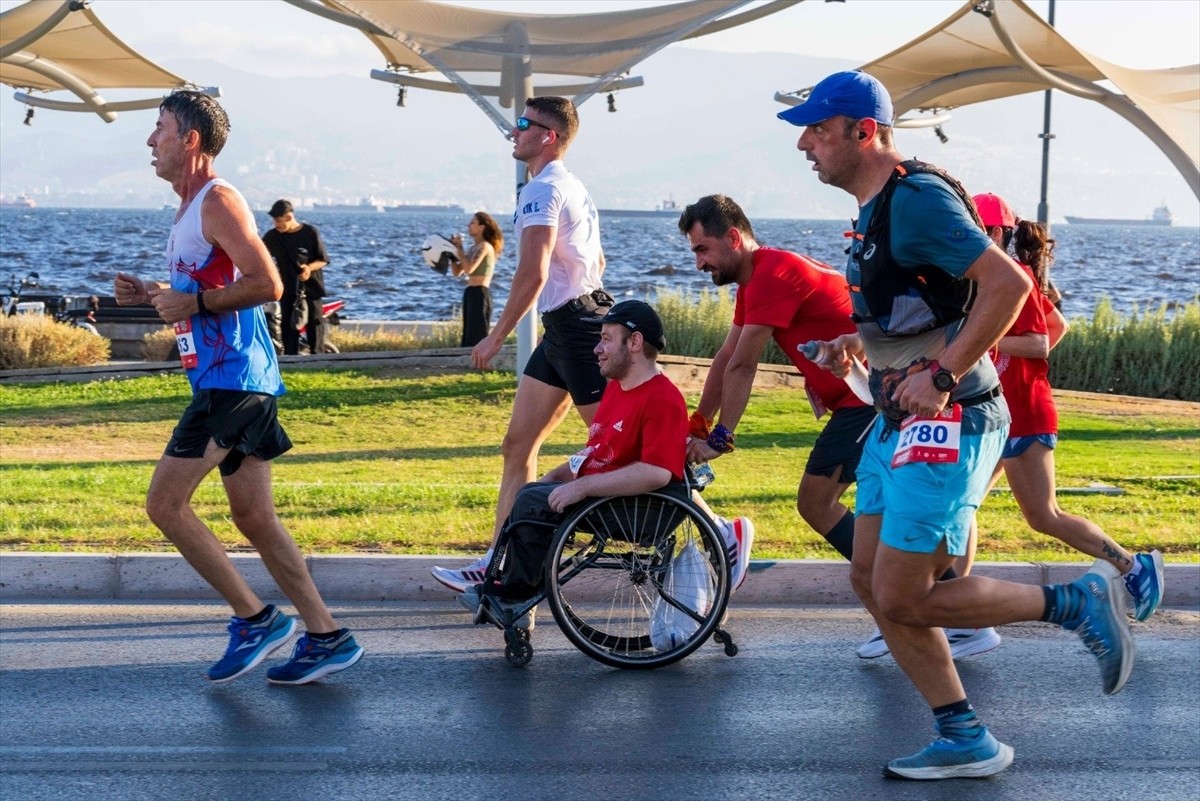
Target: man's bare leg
253 506
168 504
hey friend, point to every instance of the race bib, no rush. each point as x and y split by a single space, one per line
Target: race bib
813 400
187 344
930 439
577 460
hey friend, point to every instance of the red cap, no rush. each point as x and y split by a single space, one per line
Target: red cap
995 211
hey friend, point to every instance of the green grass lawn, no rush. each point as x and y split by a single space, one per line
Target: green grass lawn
408 464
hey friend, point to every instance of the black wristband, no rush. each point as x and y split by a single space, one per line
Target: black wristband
200 302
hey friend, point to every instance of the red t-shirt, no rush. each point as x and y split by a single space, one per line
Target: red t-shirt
646 424
802 299
1026 387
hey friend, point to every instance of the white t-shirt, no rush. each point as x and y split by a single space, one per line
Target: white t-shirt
556 198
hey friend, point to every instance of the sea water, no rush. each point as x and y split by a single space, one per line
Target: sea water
376 265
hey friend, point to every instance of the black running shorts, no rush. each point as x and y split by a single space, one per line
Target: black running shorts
840 444
566 358
245 422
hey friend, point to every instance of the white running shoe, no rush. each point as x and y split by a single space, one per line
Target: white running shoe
738 535
874 647
968 642
459 578
963 642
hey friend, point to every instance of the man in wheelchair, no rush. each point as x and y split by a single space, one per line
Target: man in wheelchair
636 444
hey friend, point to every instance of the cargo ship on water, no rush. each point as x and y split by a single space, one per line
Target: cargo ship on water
20 201
1161 216
373 205
411 208
668 208
366 204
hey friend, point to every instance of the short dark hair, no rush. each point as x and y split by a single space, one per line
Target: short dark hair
196 111
716 215
561 111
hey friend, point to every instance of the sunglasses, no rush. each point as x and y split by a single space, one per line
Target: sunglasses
523 124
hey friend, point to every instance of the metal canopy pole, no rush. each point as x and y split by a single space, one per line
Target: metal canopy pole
1044 204
520 78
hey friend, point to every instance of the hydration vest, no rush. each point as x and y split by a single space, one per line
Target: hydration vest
905 301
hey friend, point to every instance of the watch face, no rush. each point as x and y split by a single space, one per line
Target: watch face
943 380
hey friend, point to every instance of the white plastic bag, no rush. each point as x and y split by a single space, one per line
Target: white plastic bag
689 582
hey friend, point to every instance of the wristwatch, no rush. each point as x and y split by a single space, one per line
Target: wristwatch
943 379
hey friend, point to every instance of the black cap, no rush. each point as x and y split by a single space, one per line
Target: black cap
280 208
637 316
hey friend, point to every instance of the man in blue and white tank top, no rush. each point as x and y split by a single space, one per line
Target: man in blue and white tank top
220 275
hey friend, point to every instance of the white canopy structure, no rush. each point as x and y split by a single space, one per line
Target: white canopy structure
524 55
514 56
61 46
999 48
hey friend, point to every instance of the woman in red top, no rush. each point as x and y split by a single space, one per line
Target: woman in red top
1028 459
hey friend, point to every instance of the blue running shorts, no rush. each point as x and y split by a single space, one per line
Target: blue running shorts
1015 446
924 503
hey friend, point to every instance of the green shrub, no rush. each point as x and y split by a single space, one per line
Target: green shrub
28 340
1145 354
159 346
696 324
448 335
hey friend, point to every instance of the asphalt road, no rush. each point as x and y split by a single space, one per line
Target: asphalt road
108 702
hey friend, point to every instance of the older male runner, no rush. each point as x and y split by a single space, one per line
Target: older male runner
220 275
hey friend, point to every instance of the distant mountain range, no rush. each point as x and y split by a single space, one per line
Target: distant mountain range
704 122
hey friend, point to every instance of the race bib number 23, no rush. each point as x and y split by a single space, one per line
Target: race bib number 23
930 439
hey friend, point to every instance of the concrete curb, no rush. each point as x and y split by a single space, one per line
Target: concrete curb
26 576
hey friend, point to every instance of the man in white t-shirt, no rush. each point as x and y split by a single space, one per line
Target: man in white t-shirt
559 266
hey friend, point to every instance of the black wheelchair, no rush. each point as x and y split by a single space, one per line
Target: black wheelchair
632 581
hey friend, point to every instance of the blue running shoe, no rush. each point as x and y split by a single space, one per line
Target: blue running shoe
250 643
1102 625
953 759
313 659
1147 586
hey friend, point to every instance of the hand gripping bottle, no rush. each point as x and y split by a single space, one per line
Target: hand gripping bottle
857 379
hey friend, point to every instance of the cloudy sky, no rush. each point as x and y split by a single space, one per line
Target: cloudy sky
274 38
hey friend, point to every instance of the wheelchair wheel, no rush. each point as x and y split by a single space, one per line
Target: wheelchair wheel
637 582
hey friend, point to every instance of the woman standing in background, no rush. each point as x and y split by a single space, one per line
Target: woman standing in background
477 264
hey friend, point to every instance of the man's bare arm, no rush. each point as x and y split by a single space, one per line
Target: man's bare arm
228 224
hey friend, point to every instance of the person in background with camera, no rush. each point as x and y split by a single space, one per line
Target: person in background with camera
300 255
1021 359
477 264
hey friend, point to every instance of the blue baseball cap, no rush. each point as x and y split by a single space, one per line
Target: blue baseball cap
853 94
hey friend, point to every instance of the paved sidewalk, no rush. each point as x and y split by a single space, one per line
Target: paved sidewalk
165 576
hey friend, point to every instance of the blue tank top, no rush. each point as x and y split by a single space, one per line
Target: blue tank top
233 349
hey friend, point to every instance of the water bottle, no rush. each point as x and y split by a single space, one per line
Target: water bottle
703 474
857 379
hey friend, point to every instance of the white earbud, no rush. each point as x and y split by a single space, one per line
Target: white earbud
546 139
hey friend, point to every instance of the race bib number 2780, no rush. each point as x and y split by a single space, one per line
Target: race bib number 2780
930 439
